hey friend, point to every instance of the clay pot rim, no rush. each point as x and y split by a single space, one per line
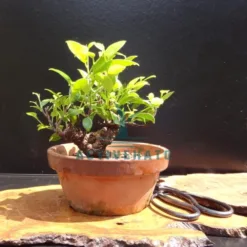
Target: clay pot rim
52 151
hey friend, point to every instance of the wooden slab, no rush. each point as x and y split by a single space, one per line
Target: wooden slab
41 214
230 188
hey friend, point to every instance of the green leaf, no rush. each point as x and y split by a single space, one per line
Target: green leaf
115 69
100 65
131 57
167 95
157 101
124 62
36 106
37 95
75 112
145 116
54 137
83 73
106 80
118 65
134 81
101 112
117 85
42 126
150 77
140 85
115 118
121 54
75 96
100 46
150 96
80 51
61 73
44 102
87 123
112 49
81 85
50 91
130 97
54 113
91 54
34 115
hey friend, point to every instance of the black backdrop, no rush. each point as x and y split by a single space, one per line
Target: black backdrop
196 47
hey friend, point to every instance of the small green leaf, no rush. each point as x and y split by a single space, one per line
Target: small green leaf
131 57
134 81
81 85
121 54
97 45
50 91
34 115
106 80
150 96
83 73
157 101
115 118
117 85
37 95
167 95
54 113
91 54
87 123
42 126
76 96
54 137
44 102
112 49
35 105
124 62
140 84
61 73
115 69
75 112
130 97
100 65
80 51
150 77
145 116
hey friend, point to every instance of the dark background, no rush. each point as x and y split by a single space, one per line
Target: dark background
197 48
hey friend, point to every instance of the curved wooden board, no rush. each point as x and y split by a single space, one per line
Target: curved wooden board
41 214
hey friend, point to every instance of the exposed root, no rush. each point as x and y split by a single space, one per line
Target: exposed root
92 144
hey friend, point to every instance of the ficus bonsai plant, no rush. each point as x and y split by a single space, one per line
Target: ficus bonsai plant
98 101
87 118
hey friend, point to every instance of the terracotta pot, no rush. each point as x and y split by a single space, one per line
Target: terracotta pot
109 186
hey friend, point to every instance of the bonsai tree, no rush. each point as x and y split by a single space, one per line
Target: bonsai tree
97 102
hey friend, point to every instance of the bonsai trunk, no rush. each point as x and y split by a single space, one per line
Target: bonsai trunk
92 144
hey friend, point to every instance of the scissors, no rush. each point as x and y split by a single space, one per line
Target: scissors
193 203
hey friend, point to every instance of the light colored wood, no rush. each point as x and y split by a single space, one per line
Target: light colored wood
230 188
35 215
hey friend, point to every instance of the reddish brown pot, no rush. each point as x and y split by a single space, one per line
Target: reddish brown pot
109 186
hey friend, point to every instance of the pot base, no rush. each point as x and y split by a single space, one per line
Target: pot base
104 213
